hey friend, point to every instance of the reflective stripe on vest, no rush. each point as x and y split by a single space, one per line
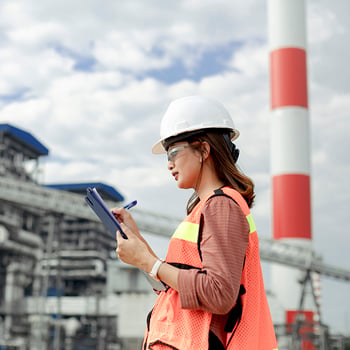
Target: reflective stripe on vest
183 247
186 329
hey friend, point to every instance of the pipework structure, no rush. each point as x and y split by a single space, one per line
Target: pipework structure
61 286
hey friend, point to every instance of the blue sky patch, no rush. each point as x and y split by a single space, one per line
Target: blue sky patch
14 96
81 62
211 62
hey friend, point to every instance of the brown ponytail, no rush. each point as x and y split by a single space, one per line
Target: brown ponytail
225 167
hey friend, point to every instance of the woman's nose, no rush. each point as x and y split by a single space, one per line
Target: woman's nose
170 165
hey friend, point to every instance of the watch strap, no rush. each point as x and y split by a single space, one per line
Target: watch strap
155 268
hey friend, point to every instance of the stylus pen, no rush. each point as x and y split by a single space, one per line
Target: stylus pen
130 205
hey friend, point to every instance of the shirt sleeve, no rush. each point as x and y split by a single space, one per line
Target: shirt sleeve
224 240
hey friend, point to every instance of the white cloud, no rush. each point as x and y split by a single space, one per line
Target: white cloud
252 59
323 23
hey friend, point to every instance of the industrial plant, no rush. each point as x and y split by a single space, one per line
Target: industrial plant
61 285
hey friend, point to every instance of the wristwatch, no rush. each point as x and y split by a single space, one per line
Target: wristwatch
155 269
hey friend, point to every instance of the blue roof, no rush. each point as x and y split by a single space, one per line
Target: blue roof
26 138
107 192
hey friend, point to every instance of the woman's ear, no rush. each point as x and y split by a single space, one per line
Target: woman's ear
205 148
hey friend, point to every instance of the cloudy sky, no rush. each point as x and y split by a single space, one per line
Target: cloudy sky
91 81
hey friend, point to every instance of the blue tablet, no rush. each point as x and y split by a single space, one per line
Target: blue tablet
96 203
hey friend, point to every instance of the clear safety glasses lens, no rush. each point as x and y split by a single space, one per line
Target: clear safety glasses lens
174 151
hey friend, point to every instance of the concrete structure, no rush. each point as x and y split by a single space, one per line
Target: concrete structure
60 281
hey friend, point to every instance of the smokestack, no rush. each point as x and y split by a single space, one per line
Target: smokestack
290 147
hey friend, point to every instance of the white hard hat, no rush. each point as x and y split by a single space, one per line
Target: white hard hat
193 113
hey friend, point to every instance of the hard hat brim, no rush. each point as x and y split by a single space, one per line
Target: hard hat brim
158 147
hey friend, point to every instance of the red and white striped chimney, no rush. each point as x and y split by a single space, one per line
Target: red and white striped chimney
290 145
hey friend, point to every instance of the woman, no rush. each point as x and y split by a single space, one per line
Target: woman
215 296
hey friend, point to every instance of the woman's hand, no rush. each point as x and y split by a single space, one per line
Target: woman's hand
134 250
123 216
130 228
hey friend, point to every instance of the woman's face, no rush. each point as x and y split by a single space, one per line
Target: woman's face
184 164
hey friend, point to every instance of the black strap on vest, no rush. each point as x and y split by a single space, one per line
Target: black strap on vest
220 192
214 342
235 315
183 266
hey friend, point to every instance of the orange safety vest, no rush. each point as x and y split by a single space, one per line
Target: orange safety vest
171 327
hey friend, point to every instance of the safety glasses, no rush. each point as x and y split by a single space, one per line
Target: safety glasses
173 152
